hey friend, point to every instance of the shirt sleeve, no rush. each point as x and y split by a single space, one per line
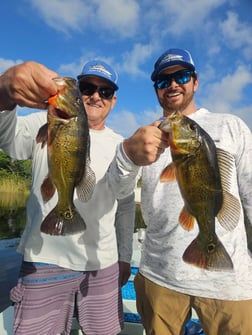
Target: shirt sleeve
18 133
244 168
122 174
8 121
124 225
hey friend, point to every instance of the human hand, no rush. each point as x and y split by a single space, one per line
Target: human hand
124 272
28 84
146 144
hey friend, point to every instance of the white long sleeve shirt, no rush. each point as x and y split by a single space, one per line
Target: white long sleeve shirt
166 240
96 247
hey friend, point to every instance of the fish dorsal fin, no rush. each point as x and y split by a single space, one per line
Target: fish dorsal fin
168 174
86 185
230 211
186 219
226 163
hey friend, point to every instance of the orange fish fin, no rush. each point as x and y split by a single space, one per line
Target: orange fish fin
212 256
42 135
87 184
168 174
186 219
47 189
230 211
55 224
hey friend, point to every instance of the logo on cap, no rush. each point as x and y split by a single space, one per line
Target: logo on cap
100 68
170 58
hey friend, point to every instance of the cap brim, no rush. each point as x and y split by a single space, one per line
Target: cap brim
81 76
156 73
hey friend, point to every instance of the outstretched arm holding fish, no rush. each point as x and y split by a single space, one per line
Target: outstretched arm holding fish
28 85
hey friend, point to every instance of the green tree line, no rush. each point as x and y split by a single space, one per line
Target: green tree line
14 168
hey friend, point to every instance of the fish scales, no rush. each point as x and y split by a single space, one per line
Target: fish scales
196 164
67 137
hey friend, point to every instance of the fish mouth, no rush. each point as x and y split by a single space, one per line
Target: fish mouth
59 114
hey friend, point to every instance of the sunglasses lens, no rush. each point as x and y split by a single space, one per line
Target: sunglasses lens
106 92
180 77
89 89
162 83
183 78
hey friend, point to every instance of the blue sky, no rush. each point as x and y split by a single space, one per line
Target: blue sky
131 35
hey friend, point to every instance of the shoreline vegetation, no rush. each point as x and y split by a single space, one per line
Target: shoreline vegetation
14 192
15 180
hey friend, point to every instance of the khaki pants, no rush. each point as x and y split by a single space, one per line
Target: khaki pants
165 312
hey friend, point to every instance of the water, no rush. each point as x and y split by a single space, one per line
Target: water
12 222
12 214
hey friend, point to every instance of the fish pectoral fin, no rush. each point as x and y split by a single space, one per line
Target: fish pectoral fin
210 256
42 135
47 189
230 211
168 174
86 186
186 219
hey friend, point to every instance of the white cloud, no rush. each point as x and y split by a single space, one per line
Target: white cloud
225 95
185 15
7 63
234 31
117 16
236 34
63 15
134 58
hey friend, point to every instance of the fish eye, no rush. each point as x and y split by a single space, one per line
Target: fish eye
192 126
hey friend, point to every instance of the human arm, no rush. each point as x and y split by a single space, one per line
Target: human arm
28 84
124 225
142 148
146 144
244 167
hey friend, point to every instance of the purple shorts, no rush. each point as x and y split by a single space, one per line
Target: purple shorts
46 297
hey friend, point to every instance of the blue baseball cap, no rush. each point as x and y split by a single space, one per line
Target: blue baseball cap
100 69
172 57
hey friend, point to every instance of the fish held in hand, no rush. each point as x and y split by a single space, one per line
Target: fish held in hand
66 134
203 175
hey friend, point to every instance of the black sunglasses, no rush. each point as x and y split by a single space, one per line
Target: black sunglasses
180 77
89 89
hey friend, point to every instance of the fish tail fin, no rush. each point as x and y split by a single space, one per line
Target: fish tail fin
69 223
213 256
